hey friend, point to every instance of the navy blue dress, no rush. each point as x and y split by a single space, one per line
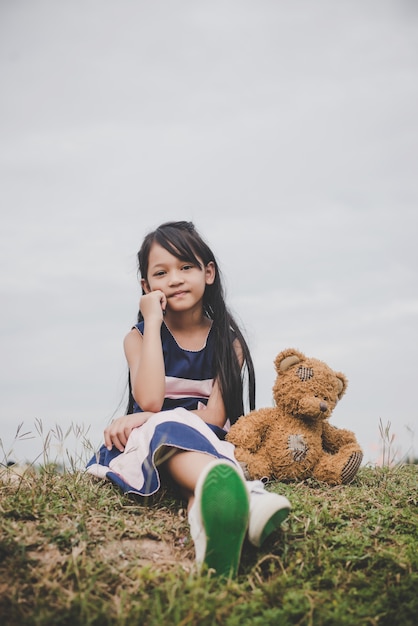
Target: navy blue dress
189 381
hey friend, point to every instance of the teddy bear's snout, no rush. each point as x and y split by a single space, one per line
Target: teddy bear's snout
312 406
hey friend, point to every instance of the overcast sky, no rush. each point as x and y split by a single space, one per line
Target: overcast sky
287 131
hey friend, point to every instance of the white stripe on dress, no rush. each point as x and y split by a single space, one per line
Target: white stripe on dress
176 388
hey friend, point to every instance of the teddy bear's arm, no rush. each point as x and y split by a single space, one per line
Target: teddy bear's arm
334 438
250 430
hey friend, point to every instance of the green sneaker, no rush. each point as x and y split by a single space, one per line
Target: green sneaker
219 517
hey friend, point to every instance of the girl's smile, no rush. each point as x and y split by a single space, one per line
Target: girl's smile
178 294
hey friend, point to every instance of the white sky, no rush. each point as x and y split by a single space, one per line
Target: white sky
287 131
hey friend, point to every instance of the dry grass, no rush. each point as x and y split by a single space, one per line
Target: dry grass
75 551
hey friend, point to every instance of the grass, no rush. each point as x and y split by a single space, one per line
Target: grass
73 550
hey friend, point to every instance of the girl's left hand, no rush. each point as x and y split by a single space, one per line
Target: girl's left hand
117 433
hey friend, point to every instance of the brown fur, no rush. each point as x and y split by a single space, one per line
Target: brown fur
293 440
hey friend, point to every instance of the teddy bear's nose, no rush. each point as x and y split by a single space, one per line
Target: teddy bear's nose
323 406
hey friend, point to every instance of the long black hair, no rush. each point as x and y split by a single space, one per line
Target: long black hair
183 241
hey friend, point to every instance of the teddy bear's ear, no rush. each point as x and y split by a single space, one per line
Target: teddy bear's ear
342 384
287 358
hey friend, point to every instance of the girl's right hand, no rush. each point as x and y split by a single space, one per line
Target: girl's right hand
117 433
153 305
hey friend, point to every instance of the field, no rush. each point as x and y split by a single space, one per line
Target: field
73 550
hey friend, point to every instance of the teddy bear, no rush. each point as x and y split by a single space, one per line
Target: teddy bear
293 440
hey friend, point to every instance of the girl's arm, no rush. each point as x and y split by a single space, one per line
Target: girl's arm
146 367
215 409
144 354
214 413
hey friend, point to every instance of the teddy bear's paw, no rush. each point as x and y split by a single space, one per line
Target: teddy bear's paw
351 468
298 446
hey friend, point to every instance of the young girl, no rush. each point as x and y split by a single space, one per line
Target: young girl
186 358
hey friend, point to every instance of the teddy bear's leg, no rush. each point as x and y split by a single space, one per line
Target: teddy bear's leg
341 467
254 465
249 464
352 466
257 469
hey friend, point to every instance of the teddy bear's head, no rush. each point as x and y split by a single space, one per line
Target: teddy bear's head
306 388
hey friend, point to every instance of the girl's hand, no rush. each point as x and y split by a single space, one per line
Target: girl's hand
153 305
117 433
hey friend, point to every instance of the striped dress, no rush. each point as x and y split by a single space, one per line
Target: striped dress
188 384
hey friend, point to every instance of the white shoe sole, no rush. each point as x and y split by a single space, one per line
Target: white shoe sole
267 514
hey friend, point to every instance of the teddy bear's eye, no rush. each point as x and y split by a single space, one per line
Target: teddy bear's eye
304 373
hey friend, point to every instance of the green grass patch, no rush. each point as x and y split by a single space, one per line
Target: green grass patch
73 550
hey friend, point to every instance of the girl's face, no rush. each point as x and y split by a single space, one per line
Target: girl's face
183 283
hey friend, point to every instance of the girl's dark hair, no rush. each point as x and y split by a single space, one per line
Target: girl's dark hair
183 241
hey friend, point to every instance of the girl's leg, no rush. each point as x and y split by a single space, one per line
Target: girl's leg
185 468
266 510
218 508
